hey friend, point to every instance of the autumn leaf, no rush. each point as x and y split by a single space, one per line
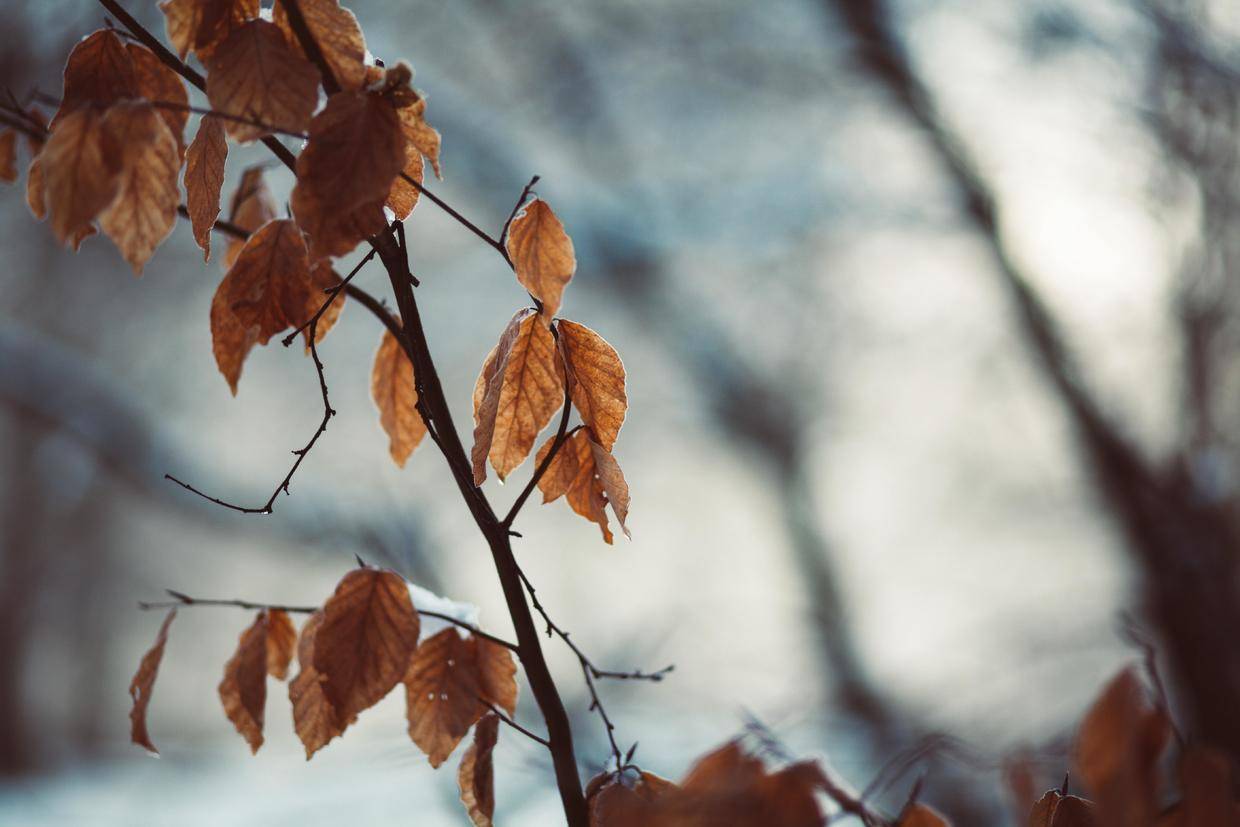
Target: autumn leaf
1057 810
268 289
336 31
144 210
35 198
622 800
79 181
201 25
8 156
281 642
393 390
419 133
448 679
919 815
159 84
345 173
251 207
243 691
255 74
363 647
476 775
99 72
596 380
589 477
143 683
204 178
542 254
519 390
314 718
1117 751
403 196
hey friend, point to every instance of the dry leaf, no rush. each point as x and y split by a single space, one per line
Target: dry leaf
403 196
542 254
919 815
143 683
476 775
8 156
256 75
99 72
338 35
204 178
147 159
596 380
345 173
34 189
620 800
393 390
1057 810
157 83
368 634
576 474
243 691
449 678
201 25
79 181
1117 752
519 390
314 718
419 133
271 276
281 642
252 206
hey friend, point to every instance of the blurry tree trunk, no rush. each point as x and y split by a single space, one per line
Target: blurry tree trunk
1184 546
20 572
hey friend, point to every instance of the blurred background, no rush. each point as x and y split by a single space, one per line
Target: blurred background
929 314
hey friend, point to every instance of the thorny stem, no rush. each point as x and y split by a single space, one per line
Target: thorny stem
182 599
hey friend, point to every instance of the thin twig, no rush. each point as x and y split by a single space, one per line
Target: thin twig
525 193
500 714
561 436
328 413
182 599
332 292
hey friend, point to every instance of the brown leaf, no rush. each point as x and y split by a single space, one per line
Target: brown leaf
144 211
252 206
8 156
99 72
79 180
256 75
575 473
338 35
596 380
449 683
204 178
1057 810
314 718
421 134
393 390
270 277
476 775
1117 752
157 83
243 691
281 642
34 189
345 173
919 815
143 683
619 800
542 254
403 196
519 390
201 25
442 694
368 634
1206 779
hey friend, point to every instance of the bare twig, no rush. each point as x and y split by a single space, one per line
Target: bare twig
182 599
499 713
